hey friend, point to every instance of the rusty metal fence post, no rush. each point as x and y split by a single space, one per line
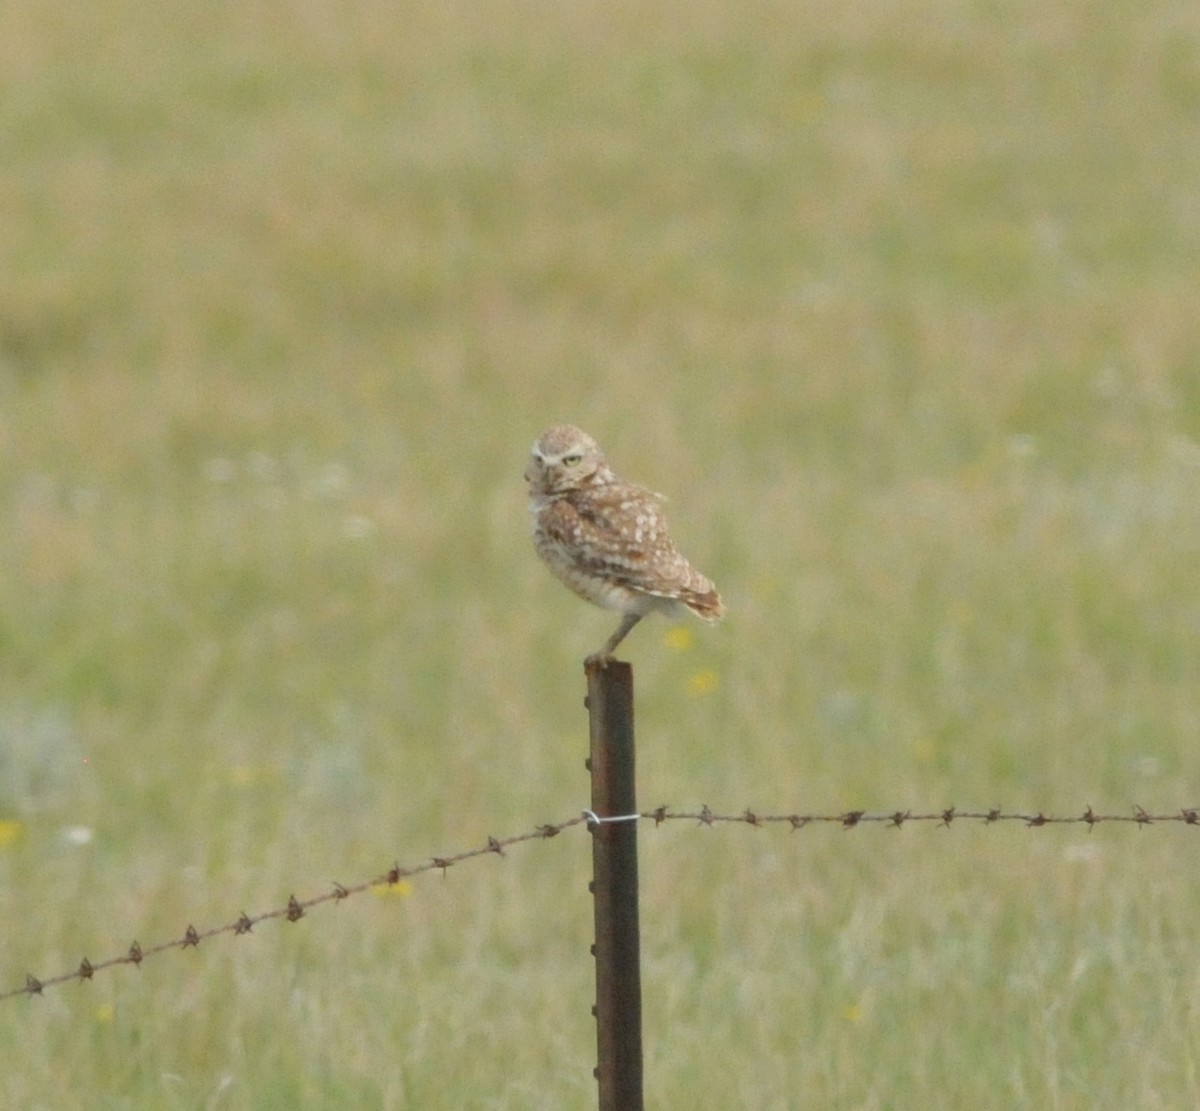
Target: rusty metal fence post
614 888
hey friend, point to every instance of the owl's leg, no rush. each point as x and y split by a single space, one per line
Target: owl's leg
610 646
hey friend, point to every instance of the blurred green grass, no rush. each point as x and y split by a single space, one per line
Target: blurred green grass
896 302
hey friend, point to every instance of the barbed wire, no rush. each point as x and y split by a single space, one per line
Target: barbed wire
849 819
292 912
295 909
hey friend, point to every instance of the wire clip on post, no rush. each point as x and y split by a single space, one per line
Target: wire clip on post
593 820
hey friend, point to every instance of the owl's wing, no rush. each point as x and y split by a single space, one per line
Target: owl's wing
619 533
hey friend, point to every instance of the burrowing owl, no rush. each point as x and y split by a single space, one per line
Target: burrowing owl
607 539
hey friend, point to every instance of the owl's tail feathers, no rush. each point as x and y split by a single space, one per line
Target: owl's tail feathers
707 605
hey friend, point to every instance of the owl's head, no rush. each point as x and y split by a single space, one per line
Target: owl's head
564 458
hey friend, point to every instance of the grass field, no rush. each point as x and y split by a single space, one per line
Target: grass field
897 301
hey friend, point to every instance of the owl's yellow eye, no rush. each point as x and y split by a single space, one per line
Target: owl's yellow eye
571 460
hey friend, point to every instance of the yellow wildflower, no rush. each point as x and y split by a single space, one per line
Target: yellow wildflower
679 638
392 890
